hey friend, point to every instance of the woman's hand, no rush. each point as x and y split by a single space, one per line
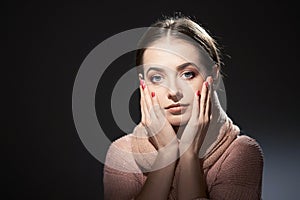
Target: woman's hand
161 135
196 129
160 131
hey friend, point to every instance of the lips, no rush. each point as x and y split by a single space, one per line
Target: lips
177 108
176 105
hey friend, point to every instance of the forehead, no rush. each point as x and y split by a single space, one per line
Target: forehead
170 53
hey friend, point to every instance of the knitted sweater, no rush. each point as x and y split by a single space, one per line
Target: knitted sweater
235 175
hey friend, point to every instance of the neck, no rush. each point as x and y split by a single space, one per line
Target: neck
179 130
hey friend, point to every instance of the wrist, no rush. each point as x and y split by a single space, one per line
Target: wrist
188 150
165 157
189 155
169 152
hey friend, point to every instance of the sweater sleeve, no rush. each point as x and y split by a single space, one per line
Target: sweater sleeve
240 174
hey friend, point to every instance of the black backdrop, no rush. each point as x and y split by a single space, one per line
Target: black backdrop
46 43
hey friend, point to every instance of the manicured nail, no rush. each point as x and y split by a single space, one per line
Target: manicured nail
152 94
206 84
198 92
142 83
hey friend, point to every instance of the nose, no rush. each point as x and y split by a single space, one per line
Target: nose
174 93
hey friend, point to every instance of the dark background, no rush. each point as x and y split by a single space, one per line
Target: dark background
46 42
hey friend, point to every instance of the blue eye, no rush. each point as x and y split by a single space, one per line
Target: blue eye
156 78
188 75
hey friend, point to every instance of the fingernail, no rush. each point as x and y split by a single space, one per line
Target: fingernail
198 92
142 83
206 84
152 94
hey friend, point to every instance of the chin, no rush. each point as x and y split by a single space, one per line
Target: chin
178 120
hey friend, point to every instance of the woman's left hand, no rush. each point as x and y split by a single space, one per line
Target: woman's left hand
196 129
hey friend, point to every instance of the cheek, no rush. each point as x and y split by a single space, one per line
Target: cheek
160 96
198 86
192 90
199 89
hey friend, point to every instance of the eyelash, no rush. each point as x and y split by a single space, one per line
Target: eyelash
161 76
193 74
156 75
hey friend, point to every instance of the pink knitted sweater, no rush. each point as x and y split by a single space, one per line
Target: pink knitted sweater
237 174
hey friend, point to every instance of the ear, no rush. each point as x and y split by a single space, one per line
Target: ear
141 76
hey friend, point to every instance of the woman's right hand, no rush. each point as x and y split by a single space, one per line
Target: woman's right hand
160 132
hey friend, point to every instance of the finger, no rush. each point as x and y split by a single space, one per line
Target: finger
156 106
209 101
149 103
208 104
195 111
142 107
157 112
144 110
147 98
203 99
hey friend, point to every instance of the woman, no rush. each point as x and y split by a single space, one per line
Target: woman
185 146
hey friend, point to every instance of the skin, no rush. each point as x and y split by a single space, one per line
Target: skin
162 86
179 85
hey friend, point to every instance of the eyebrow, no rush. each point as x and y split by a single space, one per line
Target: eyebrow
179 67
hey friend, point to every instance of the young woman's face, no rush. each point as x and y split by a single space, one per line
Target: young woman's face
171 70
